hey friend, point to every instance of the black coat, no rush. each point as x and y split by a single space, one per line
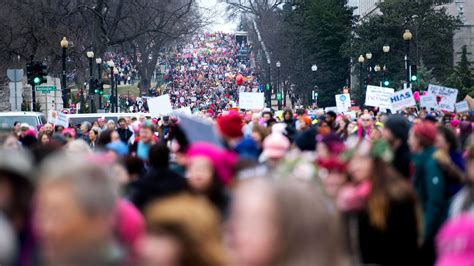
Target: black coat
124 134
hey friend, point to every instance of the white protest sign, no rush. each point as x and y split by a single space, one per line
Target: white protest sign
332 108
462 107
378 97
343 102
160 105
428 101
183 111
445 97
251 100
58 119
402 99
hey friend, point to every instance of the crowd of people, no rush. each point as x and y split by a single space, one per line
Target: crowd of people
295 189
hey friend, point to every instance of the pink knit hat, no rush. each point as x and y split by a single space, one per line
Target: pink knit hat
455 241
222 160
275 146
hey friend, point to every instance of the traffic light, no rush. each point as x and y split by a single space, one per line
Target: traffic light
36 73
101 89
94 87
279 96
414 73
30 73
386 83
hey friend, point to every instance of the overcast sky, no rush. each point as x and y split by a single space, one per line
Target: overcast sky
216 9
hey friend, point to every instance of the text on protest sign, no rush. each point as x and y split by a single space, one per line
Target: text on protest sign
343 102
462 107
428 101
378 97
58 119
445 97
160 105
251 100
402 99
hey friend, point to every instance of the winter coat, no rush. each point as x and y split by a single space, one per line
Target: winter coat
432 192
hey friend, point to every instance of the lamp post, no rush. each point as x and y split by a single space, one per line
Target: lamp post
278 65
377 69
64 45
111 65
90 55
361 60
368 56
116 90
386 50
407 36
314 68
99 72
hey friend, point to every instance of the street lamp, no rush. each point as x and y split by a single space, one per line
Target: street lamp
407 36
361 60
99 72
64 45
386 50
314 68
90 55
116 72
377 69
111 65
278 94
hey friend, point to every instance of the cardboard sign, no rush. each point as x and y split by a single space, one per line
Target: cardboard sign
343 102
462 107
58 119
160 105
378 97
251 100
445 97
428 101
402 99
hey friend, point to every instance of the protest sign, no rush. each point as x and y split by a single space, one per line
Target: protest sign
428 101
160 105
445 97
251 100
462 107
332 108
378 97
343 102
199 131
183 111
58 119
402 99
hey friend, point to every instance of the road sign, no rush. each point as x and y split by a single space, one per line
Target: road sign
45 89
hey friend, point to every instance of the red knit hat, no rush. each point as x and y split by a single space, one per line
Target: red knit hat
230 125
426 132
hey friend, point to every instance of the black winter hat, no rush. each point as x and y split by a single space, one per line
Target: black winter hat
398 125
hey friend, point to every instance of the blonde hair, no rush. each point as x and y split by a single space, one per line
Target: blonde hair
198 225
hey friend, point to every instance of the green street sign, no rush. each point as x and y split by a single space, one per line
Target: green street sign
45 89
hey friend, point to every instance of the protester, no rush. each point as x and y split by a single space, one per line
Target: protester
93 138
44 138
142 144
430 185
464 199
124 132
395 132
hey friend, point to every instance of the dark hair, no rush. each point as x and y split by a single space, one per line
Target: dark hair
159 156
105 138
287 111
450 137
331 114
133 164
16 123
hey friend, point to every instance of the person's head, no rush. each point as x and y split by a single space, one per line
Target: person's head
146 132
446 139
85 127
141 118
17 126
75 210
48 128
9 141
267 116
282 223
288 115
259 133
332 171
376 133
208 167
43 138
69 134
111 125
24 129
182 230
275 147
366 121
395 131
114 136
159 156
93 134
422 136
78 146
331 117
122 123
101 121
230 126
305 122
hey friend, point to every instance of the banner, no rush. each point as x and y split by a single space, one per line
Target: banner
343 102
445 97
462 107
251 100
402 99
160 105
378 97
58 119
428 101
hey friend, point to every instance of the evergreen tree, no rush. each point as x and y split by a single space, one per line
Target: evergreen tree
462 77
425 78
